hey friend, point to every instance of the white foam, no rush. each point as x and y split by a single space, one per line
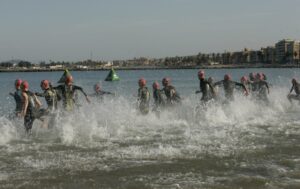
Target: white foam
8 130
115 122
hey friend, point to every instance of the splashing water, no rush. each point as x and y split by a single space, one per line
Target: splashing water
182 148
243 144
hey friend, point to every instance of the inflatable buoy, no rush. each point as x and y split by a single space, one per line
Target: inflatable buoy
112 76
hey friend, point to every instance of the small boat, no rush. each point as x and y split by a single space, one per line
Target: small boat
112 76
63 77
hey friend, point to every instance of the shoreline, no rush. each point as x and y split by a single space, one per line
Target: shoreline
154 68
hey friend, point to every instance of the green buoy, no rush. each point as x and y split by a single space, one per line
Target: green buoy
112 76
64 76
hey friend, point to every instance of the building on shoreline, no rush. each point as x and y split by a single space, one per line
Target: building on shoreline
269 55
285 51
281 49
293 51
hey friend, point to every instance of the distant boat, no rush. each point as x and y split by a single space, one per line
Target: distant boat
64 76
112 76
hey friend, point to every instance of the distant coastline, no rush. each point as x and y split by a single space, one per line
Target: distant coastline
285 54
156 68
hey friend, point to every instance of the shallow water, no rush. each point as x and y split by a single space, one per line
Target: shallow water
243 144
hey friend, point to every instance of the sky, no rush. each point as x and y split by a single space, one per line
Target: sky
75 30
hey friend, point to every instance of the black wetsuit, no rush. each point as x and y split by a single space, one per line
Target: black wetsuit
229 87
51 98
18 98
254 86
296 87
68 95
30 112
143 100
248 85
262 90
206 89
159 101
172 95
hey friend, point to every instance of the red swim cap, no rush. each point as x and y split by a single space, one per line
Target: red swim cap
69 80
260 76
252 75
165 81
44 84
227 77
24 86
142 82
155 85
244 79
18 83
97 87
201 74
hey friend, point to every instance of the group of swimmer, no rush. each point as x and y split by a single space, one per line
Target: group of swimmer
255 85
28 106
168 96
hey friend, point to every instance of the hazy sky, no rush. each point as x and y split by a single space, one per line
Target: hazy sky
72 30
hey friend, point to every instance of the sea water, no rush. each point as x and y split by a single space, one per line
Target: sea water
243 144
